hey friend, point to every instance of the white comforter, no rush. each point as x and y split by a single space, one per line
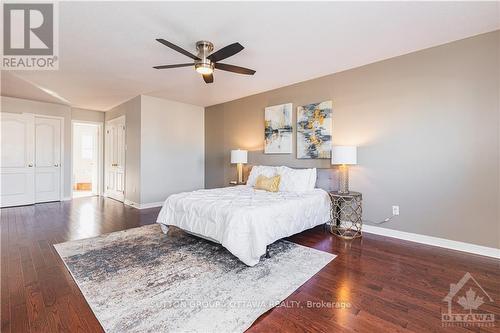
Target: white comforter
245 220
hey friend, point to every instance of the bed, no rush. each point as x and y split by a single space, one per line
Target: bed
245 220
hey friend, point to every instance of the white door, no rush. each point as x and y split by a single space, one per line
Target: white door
47 159
17 160
115 158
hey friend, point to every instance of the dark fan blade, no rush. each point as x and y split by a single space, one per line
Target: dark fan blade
178 49
226 52
209 78
173 66
234 69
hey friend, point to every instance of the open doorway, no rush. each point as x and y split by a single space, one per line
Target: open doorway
86 159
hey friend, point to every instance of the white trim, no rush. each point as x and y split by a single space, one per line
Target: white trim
131 203
435 241
100 153
152 204
62 153
67 199
143 206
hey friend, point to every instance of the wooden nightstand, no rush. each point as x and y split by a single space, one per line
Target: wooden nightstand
346 214
235 183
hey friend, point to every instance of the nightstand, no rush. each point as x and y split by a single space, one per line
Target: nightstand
346 214
235 183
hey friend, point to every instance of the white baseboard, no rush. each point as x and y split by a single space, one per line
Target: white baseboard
152 204
66 199
435 241
143 206
131 204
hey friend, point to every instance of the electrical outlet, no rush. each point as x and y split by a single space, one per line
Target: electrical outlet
395 210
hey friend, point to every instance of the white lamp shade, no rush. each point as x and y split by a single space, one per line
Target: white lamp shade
239 156
344 155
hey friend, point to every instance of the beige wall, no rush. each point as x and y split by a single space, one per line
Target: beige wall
172 148
18 105
132 112
427 127
87 115
165 148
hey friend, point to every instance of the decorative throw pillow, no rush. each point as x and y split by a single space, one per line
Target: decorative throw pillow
270 184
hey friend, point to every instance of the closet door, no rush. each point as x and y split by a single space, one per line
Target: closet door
17 159
115 158
47 159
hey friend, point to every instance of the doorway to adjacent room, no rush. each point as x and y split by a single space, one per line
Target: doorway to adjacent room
87 142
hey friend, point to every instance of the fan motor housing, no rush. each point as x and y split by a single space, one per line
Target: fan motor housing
204 48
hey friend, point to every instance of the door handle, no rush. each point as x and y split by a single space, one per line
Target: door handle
30 165
56 165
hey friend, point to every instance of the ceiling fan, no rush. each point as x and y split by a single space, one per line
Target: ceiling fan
205 62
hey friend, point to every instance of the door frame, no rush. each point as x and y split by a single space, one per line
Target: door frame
100 153
106 122
62 164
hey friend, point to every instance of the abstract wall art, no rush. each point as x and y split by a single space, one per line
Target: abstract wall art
314 130
278 129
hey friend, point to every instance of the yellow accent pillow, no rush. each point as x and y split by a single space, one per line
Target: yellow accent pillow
270 184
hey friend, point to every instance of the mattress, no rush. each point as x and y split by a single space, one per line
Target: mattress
245 220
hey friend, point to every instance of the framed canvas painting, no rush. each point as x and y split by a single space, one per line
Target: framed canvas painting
278 129
314 130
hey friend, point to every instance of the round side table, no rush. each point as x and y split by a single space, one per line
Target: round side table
346 214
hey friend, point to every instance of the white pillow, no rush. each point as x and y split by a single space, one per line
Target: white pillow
297 180
268 171
313 176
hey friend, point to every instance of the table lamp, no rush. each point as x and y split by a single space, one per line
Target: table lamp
344 156
239 157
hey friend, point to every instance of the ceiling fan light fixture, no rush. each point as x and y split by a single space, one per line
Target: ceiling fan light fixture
204 69
206 62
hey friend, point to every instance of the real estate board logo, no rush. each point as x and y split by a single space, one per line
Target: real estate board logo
464 300
30 36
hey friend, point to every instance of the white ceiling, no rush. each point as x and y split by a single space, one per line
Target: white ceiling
107 49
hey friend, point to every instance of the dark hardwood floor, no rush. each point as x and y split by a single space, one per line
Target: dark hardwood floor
384 284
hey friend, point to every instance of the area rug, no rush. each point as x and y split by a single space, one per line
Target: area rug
141 280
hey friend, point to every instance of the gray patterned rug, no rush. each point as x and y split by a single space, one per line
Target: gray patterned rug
140 280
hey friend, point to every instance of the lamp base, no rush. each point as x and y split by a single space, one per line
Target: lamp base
343 179
239 167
